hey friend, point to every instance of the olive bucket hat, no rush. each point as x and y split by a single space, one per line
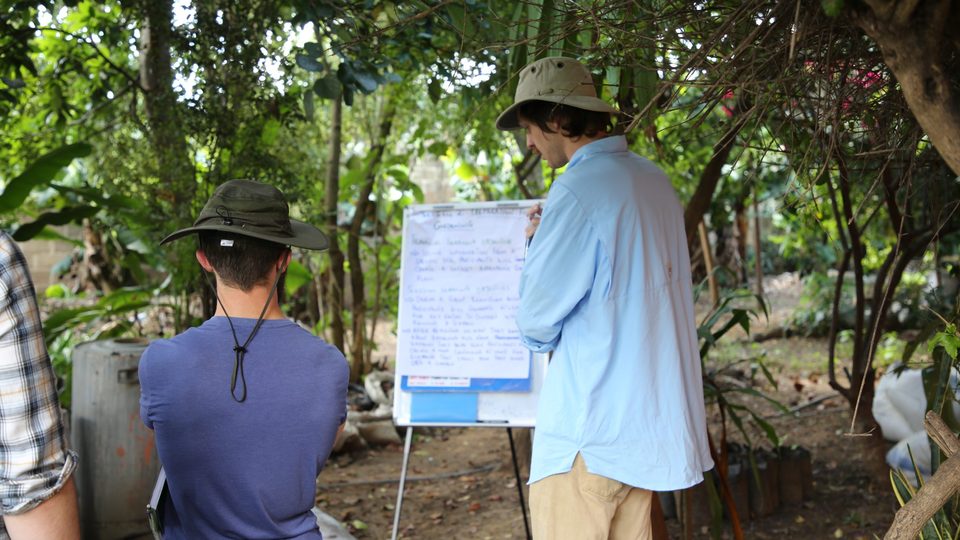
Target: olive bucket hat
256 210
556 79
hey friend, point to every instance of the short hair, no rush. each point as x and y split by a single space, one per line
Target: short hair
240 261
572 121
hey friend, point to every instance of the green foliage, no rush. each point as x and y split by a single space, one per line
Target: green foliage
814 312
945 524
939 389
729 314
949 339
113 315
939 383
832 8
798 239
726 383
252 84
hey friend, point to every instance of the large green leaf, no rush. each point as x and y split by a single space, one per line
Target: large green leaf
52 234
328 87
309 63
314 49
366 81
67 215
434 90
949 339
61 320
116 303
40 172
297 276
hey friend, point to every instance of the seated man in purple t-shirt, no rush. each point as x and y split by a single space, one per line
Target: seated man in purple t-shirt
246 407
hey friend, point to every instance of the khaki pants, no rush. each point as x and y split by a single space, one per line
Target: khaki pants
579 505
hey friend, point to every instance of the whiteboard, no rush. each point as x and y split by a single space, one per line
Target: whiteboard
459 356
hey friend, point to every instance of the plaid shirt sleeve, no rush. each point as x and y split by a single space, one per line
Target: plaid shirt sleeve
34 459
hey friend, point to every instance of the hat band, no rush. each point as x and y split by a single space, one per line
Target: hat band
272 227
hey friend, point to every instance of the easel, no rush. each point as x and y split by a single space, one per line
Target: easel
408 439
466 396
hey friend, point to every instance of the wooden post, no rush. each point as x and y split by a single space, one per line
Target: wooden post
658 522
935 492
757 261
708 262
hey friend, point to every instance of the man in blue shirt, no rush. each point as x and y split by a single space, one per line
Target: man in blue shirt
606 285
245 407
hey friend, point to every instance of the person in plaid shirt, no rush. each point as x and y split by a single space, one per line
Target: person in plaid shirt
38 498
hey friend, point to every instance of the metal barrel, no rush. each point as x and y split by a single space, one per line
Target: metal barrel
118 458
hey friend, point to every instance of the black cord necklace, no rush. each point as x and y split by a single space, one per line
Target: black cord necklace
241 350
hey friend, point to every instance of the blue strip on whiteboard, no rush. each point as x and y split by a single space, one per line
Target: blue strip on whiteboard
443 407
475 385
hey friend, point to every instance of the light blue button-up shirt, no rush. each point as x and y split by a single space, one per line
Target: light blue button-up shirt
606 285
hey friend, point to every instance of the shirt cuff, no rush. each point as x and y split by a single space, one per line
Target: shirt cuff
539 346
29 491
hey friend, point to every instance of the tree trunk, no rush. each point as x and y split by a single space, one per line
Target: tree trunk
700 201
175 169
177 185
871 316
314 293
916 45
97 273
335 281
849 231
358 308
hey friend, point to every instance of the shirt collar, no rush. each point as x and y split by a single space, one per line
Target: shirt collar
610 144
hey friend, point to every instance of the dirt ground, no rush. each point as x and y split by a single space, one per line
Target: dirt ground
461 483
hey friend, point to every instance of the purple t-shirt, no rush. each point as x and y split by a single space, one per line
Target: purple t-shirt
243 470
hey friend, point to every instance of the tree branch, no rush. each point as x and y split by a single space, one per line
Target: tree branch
835 326
935 492
700 200
941 434
913 49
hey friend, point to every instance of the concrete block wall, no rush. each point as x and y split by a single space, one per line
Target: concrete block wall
433 178
43 255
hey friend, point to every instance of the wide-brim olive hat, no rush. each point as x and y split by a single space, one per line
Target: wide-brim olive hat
556 79
256 210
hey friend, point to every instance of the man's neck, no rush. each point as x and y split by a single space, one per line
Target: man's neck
247 304
571 145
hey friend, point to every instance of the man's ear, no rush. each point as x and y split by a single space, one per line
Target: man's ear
204 262
284 261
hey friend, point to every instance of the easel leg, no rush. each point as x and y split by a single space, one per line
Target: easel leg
403 478
516 472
